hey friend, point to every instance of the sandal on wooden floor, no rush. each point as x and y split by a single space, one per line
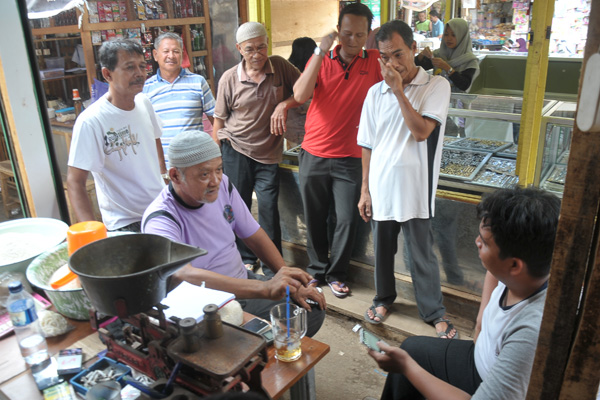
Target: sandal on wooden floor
373 309
449 327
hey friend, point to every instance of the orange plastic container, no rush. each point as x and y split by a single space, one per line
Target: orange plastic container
82 233
78 235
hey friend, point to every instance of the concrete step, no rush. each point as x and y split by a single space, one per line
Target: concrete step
402 322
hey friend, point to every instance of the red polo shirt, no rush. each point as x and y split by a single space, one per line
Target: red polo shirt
333 116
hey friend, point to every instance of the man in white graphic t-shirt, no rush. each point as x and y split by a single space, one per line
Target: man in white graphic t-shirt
117 139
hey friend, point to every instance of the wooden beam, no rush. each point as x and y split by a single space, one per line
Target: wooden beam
88 55
243 11
534 90
582 374
566 361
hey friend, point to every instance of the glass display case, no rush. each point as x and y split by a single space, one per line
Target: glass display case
557 130
481 142
480 155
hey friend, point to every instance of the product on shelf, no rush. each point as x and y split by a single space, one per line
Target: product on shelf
462 165
480 144
498 172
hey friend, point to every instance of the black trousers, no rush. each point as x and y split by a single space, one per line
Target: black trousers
324 181
248 175
450 360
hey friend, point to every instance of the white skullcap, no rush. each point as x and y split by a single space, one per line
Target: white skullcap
191 148
249 30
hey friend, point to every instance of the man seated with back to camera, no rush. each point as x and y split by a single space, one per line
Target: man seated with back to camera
515 244
201 207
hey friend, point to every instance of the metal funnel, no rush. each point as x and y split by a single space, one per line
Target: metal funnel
127 274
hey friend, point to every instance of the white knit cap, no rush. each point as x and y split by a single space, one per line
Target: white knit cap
249 30
191 148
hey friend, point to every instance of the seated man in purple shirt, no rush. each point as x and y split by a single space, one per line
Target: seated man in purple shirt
201 207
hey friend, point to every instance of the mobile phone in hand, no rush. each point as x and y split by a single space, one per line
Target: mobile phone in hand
369 340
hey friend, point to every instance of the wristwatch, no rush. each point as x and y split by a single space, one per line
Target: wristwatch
165 177
318 51
450 71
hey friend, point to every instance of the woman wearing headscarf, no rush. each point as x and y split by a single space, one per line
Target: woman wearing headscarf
454 59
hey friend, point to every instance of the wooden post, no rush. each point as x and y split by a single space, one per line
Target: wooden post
566 364
533 91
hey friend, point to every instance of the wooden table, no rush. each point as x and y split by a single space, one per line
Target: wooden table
298 376
16 381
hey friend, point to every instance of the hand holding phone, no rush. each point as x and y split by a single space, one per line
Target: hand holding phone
370 340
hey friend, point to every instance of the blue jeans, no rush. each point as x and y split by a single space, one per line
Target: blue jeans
248 175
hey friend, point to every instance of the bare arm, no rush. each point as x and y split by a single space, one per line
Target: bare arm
305 85
218 124
262 246
420 127
431 387
242 288
425 53
272 289
364 204
161 157
76 180
489 284
211 119
279 116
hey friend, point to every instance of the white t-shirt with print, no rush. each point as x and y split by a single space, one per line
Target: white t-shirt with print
119 148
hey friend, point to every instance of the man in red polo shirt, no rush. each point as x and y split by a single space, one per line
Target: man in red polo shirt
330 159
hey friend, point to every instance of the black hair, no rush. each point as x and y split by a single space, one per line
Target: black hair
109 51
523 223
434 13
395 26
302 49
356 9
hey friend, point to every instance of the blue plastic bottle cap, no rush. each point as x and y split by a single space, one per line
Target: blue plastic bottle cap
15 287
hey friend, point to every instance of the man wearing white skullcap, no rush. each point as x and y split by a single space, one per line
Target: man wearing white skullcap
249 121
202 208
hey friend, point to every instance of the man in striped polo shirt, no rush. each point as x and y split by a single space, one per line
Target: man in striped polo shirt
178 96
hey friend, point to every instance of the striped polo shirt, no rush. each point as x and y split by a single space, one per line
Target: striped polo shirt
180 104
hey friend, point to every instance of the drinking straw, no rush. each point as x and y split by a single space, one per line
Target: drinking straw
287 309
171 378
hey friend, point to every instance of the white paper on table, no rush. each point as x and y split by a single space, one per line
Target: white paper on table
188 300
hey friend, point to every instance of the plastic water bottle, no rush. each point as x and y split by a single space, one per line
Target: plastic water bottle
27 327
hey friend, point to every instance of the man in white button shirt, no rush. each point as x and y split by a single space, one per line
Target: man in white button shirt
401 134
